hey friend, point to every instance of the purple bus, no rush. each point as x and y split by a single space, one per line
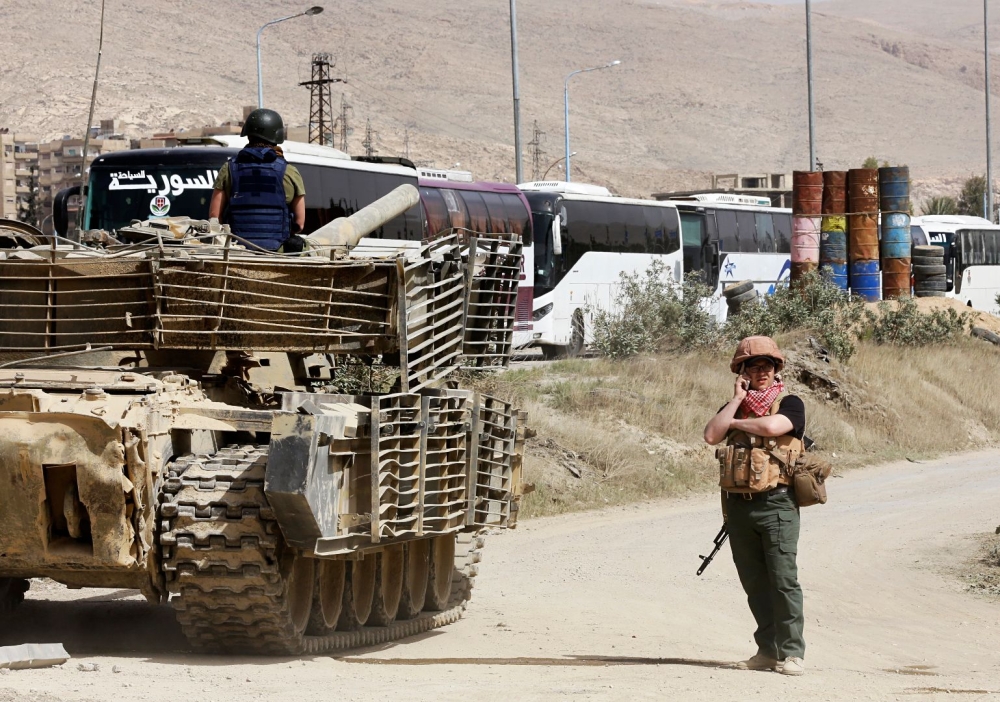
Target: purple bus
490 208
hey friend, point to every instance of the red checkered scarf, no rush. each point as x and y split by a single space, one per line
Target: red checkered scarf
758 402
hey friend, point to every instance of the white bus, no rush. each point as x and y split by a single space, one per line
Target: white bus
971 256
583 239
735 237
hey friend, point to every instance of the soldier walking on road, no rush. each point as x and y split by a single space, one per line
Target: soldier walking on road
763 430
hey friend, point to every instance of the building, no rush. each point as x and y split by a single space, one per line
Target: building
18 174
776 186
61 164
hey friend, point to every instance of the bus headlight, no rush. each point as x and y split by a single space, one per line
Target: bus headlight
541 312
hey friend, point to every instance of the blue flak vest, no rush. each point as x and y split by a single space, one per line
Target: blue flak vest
257 209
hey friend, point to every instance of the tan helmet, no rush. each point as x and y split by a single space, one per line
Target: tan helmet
755 347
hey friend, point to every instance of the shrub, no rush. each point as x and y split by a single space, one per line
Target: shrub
905 325
651 310
812 304
940 205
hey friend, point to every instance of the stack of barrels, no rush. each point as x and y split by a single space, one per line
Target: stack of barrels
807 208
833 236
894 198
863 245
930 277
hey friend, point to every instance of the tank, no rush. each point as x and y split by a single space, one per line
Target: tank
275 445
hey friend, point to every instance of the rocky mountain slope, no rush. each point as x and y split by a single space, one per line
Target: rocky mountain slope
703 87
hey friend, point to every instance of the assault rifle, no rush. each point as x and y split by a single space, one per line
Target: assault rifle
719 540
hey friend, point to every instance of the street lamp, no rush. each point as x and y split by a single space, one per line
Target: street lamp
552 165
566 104
314 10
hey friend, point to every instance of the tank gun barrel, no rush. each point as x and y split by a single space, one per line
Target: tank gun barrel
348 231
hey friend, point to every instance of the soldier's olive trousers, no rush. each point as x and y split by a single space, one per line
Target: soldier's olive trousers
764 536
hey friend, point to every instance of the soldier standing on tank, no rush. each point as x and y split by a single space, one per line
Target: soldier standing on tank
764 526
257 192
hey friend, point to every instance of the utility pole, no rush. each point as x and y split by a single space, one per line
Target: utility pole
809 79
369 143
989 133
518 164
344 130
536 151
320 100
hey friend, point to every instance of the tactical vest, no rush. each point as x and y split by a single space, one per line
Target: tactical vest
749 463
257 209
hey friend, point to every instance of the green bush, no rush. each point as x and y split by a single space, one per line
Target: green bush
813 304
905 325
651 310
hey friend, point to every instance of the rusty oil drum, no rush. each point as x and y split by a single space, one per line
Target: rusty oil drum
834 192
807 193
895 278
862 190
863 237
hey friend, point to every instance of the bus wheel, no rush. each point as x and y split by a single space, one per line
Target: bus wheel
575 347
551 353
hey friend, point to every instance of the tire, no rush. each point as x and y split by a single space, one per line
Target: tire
931 279
929 293
930 251
735 289
927 260
986 335
923 271
931 286
743 298
439 575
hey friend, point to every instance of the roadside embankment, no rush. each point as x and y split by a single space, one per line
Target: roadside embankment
614 432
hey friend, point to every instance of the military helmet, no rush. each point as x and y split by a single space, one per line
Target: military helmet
756 347
265 125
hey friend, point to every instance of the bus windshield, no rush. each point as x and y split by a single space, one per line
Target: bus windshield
117 195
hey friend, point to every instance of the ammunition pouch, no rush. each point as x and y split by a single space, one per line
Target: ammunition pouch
751 464
810 480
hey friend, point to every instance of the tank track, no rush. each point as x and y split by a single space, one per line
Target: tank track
221 555
12 593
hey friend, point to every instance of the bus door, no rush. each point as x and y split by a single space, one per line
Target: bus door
700 253
976 264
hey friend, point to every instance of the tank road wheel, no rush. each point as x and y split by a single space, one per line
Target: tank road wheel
442 561
359 594
388 586
235 584
414 579
328 598
12 593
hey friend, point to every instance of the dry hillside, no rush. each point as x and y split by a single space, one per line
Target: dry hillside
702 87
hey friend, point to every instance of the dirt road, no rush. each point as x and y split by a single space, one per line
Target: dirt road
607 606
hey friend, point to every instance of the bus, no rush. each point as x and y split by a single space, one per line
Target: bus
971 256
731 238
148 183
491 208
583 239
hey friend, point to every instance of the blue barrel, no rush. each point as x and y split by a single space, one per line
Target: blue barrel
895 239
895 249
865 280
833 247
894 189
836 273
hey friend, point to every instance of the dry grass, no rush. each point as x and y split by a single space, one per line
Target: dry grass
632 429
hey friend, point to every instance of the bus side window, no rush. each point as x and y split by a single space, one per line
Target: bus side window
765 232
728 237
437 211
479 216
633 236
458 213
747 228
497 212
783 231
518 216
671 229
584 221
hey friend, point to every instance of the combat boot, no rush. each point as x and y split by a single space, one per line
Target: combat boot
758 662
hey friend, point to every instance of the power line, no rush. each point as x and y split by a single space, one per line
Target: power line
320 100
537 155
